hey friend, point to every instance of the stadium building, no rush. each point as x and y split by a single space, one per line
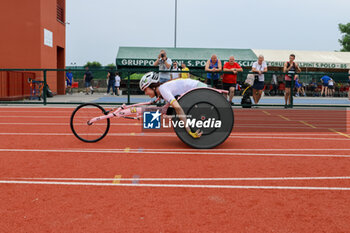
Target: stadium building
33 37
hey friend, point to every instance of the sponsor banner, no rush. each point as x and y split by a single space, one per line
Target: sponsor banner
201 63
189 63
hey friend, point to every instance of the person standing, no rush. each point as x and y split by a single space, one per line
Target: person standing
331 89
117 83
259 68
164 64
349 86
111 81
185 70
213 67
291 68
229 80
325 79
274 84
175 75
88 81
69 80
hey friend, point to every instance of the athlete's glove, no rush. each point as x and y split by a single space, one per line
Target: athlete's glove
196 134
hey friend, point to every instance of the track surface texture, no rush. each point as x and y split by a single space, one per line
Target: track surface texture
279 171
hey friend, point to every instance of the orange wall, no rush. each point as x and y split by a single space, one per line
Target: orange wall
20 34
22 24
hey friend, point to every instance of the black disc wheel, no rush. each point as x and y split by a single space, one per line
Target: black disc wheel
208 111
81 126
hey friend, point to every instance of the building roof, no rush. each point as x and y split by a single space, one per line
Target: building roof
196 57
315 59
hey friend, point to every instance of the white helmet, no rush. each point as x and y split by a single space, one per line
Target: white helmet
148 79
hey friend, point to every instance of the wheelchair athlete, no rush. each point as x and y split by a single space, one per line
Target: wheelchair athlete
150 84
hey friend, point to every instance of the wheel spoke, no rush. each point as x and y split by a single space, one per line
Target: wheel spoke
85 132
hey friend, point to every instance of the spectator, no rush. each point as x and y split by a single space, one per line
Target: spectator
349 86
88 81
325 79
164 64
185 69
331 89
213 66
274 84
299 87
117 83
338 87
259 68
175 75
281 88
313 86
303 87
69 80
229 80
291 68
111 81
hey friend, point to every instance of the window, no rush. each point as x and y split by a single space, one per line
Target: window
60 10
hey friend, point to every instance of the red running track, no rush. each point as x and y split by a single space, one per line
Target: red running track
295 179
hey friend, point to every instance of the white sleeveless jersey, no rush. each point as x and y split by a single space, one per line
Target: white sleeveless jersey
176 87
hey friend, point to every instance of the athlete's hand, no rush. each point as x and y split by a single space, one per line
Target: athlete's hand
196 134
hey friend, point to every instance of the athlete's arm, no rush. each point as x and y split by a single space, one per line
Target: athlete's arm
180 113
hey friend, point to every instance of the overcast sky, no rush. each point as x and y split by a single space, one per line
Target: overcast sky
98 27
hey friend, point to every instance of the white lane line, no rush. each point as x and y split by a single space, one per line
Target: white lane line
178 185
232 134
188 179
172 135
202 150
173 153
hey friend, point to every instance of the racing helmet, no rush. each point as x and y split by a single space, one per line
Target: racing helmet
148 79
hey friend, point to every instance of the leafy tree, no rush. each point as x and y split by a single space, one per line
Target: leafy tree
111 66
94 64
345 40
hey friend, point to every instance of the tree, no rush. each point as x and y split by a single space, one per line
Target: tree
345 40
111 66
94 64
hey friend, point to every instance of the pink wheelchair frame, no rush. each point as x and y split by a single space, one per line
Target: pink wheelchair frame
126 110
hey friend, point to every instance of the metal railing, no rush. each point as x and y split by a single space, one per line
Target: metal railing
196 74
